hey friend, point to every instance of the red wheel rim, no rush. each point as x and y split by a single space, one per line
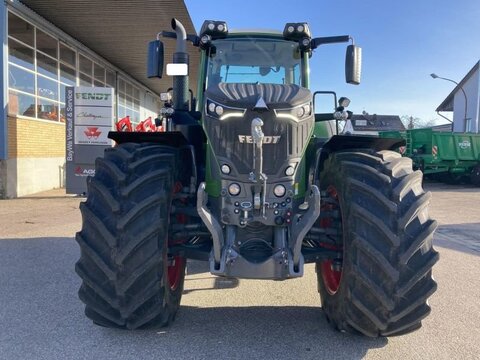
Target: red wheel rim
176 264
175 272
331 278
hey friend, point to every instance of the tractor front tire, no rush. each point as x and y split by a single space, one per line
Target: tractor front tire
380 283
128 279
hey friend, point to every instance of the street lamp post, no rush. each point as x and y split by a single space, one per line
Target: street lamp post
465 120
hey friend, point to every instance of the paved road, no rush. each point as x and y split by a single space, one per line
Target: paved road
41 317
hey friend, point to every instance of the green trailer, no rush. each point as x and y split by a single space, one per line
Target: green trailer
450 157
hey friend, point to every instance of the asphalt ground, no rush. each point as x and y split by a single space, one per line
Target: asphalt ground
42 318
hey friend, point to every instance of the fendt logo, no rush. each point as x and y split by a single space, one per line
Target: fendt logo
266 139
464 144
79 171
92 96
92 133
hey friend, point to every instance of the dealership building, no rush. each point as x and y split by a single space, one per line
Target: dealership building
49 45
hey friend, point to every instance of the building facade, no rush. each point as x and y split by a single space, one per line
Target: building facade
464 102
39 59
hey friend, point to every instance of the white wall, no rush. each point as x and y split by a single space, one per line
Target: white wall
472 90
31 175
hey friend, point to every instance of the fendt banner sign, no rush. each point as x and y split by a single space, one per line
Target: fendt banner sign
89 117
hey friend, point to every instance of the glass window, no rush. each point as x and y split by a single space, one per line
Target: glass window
136 93
99 73
21 104
129 112
67 75
85 65
40 68
67 55
47 66
47 44
136 105
110 78
129 102
121 99
21 79
121 112
85 80
62 92
136 116
47 88
62 113
128 89
250 60
47 110
20 29
121 85
20 54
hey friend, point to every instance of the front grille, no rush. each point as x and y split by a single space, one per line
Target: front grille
224 138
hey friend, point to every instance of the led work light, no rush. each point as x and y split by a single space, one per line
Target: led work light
297 31
214 29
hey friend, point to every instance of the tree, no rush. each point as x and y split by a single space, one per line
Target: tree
413 122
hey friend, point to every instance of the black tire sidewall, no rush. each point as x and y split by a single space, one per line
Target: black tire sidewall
333 305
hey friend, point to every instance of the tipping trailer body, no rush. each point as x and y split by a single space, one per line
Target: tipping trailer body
436 152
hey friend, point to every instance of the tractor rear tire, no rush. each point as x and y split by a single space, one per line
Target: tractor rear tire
380 284
475 175
129 281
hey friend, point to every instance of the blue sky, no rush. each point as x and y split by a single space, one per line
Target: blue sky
403 41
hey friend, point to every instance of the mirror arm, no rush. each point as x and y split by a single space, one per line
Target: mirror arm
316 42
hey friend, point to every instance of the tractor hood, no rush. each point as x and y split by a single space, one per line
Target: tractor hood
275 96
286 116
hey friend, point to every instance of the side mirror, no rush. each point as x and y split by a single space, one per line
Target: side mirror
155 59
353 64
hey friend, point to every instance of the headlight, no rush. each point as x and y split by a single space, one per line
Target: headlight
308 109
211 107
225 169
279 190
234 189
295 114
222 112
289 171
300 112
219 110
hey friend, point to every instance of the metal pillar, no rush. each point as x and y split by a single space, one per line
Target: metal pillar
3 82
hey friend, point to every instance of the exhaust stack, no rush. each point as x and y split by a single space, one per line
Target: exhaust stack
180 83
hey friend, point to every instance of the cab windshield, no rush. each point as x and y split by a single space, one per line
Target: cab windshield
254 61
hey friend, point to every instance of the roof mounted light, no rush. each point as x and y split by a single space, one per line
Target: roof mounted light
296 31
215 29
305 44
205 41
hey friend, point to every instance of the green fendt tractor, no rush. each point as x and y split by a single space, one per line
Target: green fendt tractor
250 179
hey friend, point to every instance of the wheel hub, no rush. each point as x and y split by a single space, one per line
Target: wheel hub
175 268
